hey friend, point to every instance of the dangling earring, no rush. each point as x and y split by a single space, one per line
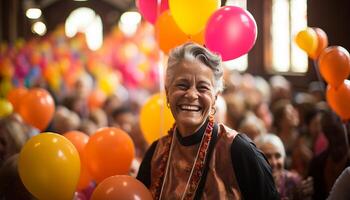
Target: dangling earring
213 111
212 114
168 104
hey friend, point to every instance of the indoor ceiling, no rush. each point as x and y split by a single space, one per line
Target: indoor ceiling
118 4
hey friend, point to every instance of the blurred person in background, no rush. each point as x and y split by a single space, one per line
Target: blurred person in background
64 120
125 119
280 89
327 166
289 184
252 126
99 117
340 189
14 133
11 186
236 108
221 110
285 124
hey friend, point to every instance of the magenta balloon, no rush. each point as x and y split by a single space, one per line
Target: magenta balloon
149 11
231 31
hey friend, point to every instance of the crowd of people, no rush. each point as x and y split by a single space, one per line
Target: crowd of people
302 139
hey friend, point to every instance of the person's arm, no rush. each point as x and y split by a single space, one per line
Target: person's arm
144 174
252 170
340 189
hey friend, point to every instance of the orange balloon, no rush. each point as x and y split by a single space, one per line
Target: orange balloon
338 99
37 108
96 99
121 187
15 95
334 64
198 38
109 152
79 140
168 34
322 43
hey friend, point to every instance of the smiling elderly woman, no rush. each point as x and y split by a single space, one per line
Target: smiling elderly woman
200 159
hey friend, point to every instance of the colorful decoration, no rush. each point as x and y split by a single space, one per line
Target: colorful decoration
192 16
231 31
37 108
109 152
339 98
334 65
49 166
307 40
121 187
150 9
79 140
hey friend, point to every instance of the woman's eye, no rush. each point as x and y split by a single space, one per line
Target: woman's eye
203 88
181 86
278 155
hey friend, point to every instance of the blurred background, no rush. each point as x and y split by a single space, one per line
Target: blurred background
92 71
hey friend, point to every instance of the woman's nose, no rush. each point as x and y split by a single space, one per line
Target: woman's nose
273 162
192 93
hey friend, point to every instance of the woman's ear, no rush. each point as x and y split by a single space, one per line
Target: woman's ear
216 98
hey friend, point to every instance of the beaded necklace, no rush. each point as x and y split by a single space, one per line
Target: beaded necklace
197 168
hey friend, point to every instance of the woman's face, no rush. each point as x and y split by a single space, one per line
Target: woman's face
191 95
274 156
291 115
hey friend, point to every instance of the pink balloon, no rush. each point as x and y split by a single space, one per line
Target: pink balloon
149 9
231 31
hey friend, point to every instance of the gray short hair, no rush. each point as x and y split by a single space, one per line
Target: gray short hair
273 139
192 52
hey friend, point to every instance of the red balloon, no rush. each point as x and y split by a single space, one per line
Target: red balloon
121 187
15 95
150 9
334 64
231 31
339 98
37 108
79 140
109 152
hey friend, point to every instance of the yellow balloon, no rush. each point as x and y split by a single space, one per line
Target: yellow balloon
108 83
6 108
307 40
49 167
192 16
155 118
5 87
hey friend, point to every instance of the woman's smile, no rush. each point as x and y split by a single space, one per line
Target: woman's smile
189 108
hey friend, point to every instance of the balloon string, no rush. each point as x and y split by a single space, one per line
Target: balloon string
161 91
320 80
